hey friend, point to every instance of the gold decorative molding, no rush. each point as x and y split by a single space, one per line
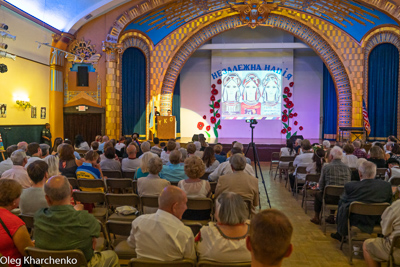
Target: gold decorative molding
111 50
254 12
83 50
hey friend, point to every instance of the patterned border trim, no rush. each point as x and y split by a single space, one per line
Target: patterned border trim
373 41
315 41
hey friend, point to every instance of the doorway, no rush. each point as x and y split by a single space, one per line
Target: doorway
87 125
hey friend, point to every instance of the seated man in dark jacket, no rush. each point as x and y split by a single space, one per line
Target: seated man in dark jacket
367 190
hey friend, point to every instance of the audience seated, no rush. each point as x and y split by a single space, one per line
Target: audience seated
33 198
156 149
7 164
18 171
225 168
376 250
326 145
103 141
209 159
68 163
304 159
145 147
194 187
123 153
388 149
61 227
174 171
58 141
218 150
35 153
110 163
358 152
334 173
165 154
287 151
377 156
191 149
203 142
120 144
15 238
143 170
184 154
162 236
349 158
297 145
240 146
396 152
68 142
80 143
45 151
90 169
95 147
269 239
152 185
23 145
239 181
393 169
225 240
318 161
368 190
131 163
163 146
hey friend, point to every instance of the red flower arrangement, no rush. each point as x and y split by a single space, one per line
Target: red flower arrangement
219 81
204 117
290 115
289 94
287 100
289 129
208 127
200 125
291 84
213 120
219 127
212 98
295 123
211 110
301 128
216 105
290 104
217 116
285 111
214 91
295 114
283 131
284 118
286 90
213 86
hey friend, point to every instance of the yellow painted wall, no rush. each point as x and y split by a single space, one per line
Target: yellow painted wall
25 78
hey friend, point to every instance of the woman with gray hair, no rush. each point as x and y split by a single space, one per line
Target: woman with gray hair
225 241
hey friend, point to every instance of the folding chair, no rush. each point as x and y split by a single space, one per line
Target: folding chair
148 201
93 198
395 244
205 176
92 185
102 242
134 186
380 173
29 222
394 181
122 185
112 174
120 244
174 183
213 186
154 263
274 162
285 169
199 204
194 226
81 152
118 200
130 175
375 209
332 191
73 182
309 179
299 170
205 263
57 256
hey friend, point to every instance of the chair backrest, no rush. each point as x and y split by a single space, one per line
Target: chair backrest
112 174
213 186
81 152
394 181
194 226
205 176
333 190
200 204
286 158
116 200
58 255
28 220
174 183
154 263
73 182
368 208
128 174
353 169
89 197
134 186
301 170
380 172
313 177
118 228
148 201
275 156
205 263
118 183
395 243
91 183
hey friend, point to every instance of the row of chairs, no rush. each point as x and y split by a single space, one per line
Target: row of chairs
131 174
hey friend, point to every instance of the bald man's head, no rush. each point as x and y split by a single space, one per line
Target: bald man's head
173 200
131 150
58 189
105 138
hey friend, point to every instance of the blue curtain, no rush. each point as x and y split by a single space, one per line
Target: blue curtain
133 92
176 105
330 106
383 71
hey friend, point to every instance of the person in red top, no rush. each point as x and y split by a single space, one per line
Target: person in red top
14 236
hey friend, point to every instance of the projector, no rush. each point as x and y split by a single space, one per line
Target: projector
252 121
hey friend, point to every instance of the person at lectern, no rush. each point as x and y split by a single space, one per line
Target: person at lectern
251 95
46 135
169 113
231 94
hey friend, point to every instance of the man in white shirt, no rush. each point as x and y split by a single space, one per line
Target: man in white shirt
393 170
120 144
161 235
18 172
302 160
226 168
131 163
240 145
145 147
7 164
35 152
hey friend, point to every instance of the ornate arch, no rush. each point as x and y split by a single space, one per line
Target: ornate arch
301 31
143 43
371 42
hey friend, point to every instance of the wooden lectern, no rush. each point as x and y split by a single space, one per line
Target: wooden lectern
166 127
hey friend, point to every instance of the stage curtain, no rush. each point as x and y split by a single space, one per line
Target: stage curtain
383 71
176 105
330 106
133 92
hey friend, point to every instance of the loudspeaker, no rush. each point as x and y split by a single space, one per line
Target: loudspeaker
195 137
295 137
83 76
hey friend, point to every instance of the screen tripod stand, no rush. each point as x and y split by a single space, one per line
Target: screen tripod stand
256 159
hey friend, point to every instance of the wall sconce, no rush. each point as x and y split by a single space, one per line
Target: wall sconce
23 104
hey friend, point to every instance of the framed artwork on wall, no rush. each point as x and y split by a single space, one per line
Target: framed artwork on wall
33 112
3 110
43 113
